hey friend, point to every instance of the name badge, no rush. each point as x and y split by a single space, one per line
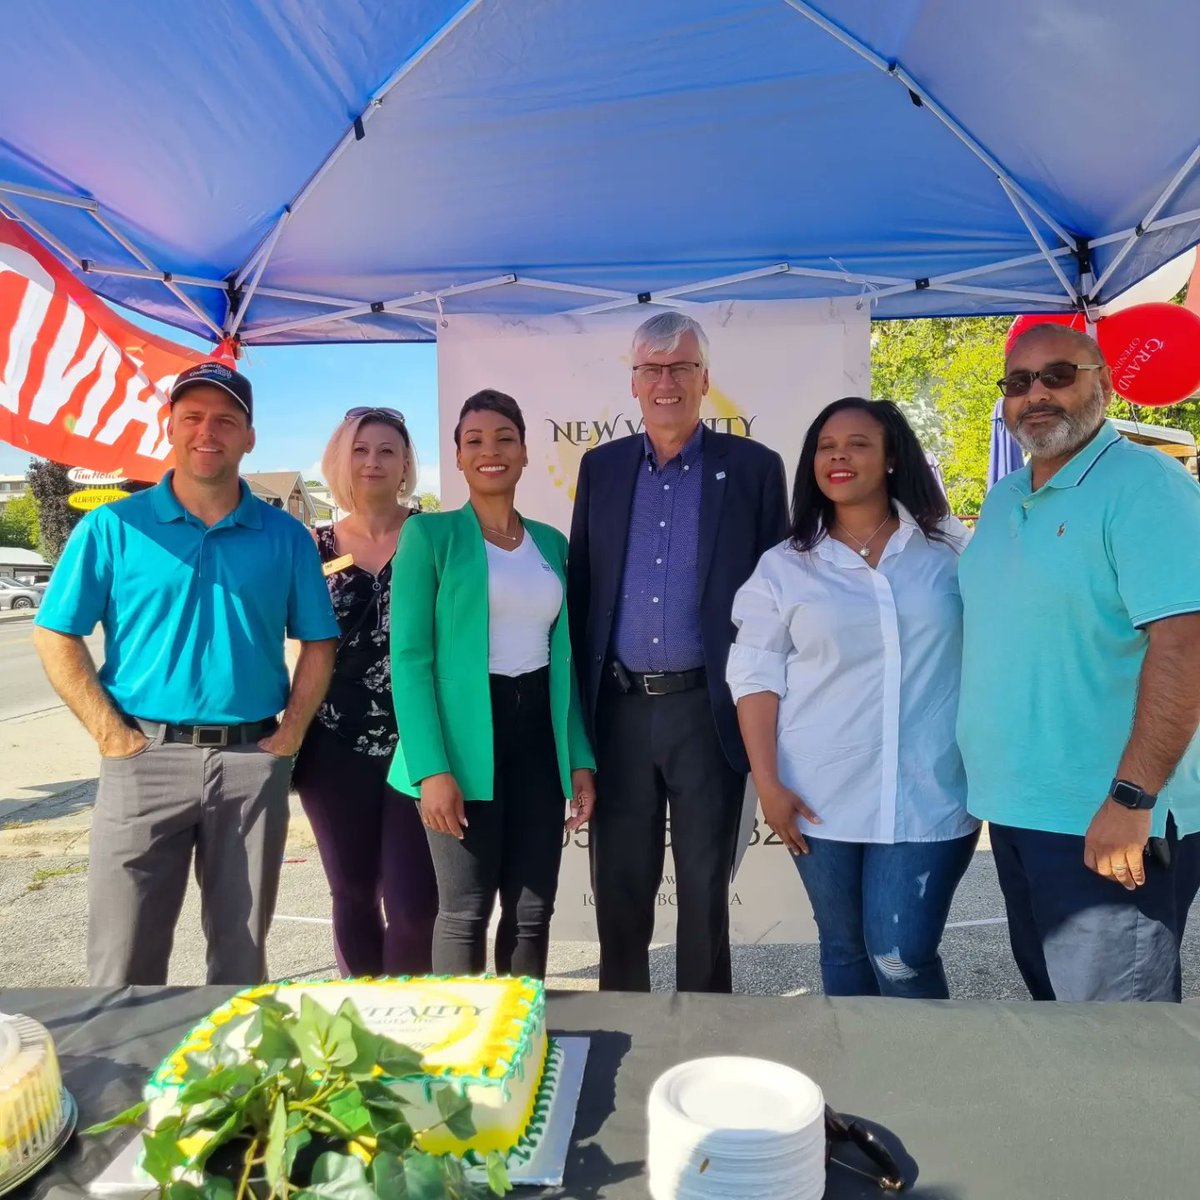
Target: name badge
337 564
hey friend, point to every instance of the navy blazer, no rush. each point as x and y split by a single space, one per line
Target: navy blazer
743 512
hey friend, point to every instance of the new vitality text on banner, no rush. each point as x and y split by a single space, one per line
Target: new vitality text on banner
774 366
78 384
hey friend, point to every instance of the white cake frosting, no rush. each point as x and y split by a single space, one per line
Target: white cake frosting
31 1095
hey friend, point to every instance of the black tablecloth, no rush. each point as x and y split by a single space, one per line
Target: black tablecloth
993 1101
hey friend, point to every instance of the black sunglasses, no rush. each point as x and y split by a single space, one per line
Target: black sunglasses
393 414
1055 376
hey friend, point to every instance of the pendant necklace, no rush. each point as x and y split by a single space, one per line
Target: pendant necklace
864 550
512 537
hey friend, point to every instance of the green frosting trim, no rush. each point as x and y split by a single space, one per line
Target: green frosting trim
496 1077
531 1139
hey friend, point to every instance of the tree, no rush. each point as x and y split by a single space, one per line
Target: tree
942 371
19 523
49 486
429 502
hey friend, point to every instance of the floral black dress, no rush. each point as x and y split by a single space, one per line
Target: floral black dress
358 705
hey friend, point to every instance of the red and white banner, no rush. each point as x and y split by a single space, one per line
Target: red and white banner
78 384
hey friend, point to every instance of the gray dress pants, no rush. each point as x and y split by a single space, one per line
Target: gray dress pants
157 812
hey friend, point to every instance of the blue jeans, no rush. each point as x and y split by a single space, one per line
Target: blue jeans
1078 936
880 912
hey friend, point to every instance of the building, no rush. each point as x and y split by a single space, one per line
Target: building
25 566
12 487
1178 443
287 490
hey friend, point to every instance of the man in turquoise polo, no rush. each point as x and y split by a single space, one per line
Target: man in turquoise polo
196 582
1081 685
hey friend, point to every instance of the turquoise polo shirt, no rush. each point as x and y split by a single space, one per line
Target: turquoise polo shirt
1058 586
194 616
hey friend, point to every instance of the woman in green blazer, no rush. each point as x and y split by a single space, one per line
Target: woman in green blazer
491 733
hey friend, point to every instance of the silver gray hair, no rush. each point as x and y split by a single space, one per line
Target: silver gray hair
661 334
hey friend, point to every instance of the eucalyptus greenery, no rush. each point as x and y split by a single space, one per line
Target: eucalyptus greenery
298 1112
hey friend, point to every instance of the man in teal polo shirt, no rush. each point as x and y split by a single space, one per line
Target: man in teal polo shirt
196 582
1081 685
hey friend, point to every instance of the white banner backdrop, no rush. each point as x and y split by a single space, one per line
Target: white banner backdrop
774 366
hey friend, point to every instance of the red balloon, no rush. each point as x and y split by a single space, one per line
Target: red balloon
1154 352
1026 322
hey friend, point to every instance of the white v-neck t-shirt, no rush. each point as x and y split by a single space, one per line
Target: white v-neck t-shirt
524 599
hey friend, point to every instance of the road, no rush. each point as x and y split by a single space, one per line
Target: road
24 688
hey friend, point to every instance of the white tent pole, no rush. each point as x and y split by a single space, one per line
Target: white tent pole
397 307
1015 200
356 131
938 281
95 268
168 280
233 320
1143 225
19 214
1154 227
308 297
19 189
580 289
260 331
999 293
899 73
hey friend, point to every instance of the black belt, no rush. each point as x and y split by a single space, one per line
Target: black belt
658 683
208 736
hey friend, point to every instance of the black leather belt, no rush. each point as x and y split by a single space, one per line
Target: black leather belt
657 683
210 737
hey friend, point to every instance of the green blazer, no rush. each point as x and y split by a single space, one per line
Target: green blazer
439 622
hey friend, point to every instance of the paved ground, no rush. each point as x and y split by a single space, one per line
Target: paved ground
47 787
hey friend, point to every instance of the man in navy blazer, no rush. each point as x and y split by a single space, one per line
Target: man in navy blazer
668 524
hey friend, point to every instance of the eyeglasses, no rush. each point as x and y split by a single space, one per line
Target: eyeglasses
393 414
1054 376
681 372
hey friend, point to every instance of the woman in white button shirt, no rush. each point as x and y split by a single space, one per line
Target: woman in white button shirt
846 676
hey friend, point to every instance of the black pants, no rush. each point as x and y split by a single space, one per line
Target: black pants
511 847
655 753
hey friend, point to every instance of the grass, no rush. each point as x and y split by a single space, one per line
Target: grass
43 874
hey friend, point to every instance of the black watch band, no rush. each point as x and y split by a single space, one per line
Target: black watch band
1129 795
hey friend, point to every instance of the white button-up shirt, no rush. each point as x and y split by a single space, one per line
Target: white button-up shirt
866 664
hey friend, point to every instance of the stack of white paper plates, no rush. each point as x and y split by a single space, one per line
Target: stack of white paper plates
736 1129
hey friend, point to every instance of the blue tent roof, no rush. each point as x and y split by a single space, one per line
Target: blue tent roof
349 164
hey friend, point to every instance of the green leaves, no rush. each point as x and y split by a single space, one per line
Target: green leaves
497 1174
293 1104
160 1151
275 1155
456 1112
128 1117
338 1177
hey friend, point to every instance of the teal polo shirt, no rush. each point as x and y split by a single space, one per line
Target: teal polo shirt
1058 586
194 616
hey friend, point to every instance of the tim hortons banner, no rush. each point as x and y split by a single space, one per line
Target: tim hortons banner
78 384
774 366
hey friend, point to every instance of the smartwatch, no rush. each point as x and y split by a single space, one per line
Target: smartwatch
1129 795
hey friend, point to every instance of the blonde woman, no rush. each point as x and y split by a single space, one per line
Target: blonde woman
372 844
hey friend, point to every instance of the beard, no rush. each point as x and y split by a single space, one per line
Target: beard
1067 434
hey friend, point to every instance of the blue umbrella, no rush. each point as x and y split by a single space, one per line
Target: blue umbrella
1004 455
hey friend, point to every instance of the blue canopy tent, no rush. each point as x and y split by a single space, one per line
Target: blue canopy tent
346 170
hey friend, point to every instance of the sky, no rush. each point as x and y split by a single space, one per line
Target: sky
302 392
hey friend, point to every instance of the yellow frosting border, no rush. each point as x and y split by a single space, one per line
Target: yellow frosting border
495 1061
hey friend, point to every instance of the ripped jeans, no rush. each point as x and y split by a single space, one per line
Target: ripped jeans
880 912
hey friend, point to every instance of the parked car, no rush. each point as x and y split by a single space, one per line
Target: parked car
17 595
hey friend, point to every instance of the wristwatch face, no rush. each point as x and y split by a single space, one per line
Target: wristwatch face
1131 796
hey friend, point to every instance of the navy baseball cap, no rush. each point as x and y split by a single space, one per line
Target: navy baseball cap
216 374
